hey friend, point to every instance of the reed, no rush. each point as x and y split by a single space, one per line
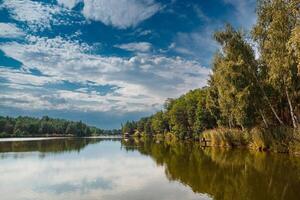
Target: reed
279 139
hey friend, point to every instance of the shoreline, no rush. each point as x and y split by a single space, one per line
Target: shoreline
277 139
40 137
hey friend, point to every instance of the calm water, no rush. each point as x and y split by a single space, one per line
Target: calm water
141 170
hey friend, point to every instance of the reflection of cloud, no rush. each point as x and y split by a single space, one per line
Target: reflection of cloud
99 171
84 186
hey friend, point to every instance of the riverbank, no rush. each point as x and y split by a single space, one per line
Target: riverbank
279 139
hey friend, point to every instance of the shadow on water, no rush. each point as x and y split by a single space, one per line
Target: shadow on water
225 174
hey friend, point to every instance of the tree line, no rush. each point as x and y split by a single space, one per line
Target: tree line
29 126
255 80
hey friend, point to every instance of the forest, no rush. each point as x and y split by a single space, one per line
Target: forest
45 126
254 85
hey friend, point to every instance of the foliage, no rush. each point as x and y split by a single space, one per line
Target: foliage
246 89
29 126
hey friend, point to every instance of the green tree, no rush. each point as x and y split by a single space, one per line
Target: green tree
129 127
234 78
204 118
159 123
178 116
276 21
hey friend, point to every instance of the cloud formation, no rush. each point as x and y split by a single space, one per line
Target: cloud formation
9 30
120 13
136 46
113 57
38 16
142 82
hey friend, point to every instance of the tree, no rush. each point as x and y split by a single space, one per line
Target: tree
159 123
147 127
129 127
234 78
192 99
276 21
179 118
204 118
294 51
141 125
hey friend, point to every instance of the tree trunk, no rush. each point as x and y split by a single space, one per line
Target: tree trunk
263 118
229 122
273 110
267 99
291 109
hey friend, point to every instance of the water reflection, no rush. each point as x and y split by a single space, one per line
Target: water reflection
225 174
142 169
83 169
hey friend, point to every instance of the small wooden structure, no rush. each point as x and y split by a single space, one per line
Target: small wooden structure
204 142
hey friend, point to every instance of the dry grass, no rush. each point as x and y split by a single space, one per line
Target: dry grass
226 137
279 139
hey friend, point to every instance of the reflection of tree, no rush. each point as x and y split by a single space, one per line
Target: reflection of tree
225 174
51 145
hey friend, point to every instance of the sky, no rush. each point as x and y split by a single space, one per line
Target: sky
108 61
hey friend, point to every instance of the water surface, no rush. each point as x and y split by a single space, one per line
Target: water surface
111 169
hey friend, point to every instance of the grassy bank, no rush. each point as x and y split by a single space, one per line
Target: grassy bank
279 139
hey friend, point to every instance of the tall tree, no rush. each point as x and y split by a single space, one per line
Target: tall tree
234 77
276 21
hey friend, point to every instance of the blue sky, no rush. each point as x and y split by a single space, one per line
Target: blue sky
107 61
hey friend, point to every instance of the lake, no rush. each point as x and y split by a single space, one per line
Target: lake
115 169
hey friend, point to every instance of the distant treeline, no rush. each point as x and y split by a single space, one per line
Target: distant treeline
45 126
255 81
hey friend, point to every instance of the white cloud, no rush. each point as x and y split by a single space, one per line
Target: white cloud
23 100
68 3
9 30
136 46
120 13
21 77
37 15
143 82
145 32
